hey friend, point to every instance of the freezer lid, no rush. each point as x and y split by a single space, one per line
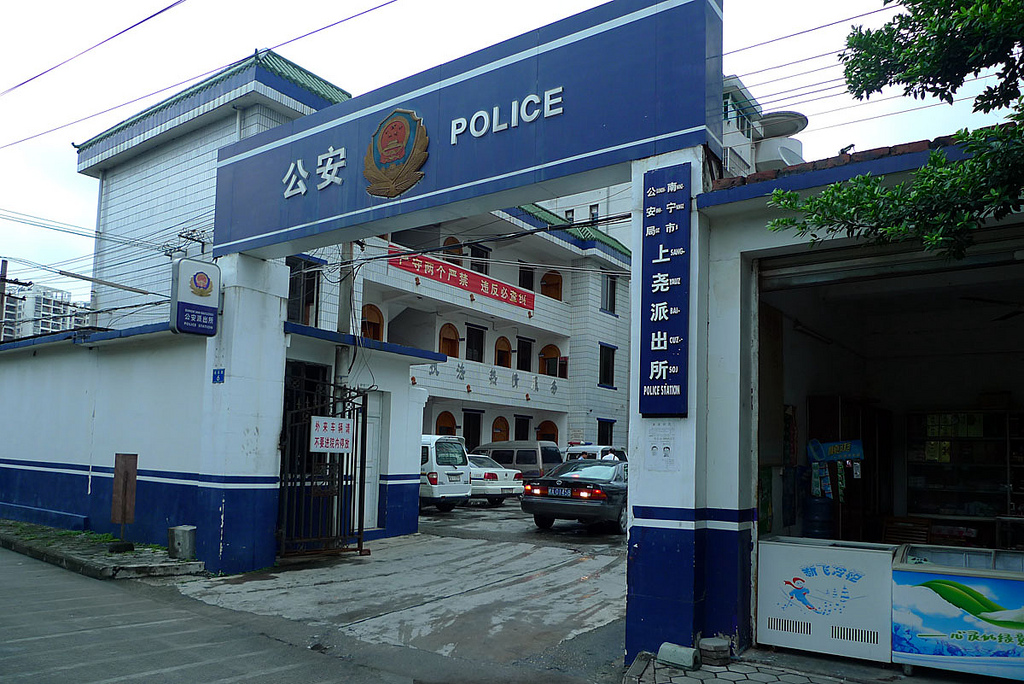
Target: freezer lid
960 560
831 543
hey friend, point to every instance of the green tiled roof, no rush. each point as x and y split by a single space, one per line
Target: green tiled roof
578 231
271 61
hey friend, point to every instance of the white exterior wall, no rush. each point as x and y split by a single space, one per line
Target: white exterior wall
155 197
590 328
82 405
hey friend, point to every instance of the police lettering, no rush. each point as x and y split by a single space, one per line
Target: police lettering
497 119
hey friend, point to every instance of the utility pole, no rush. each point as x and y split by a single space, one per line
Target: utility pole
3 293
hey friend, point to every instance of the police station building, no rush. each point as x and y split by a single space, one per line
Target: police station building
742 344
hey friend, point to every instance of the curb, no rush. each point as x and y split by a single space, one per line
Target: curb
100 566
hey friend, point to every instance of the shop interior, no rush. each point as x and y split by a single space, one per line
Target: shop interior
904 374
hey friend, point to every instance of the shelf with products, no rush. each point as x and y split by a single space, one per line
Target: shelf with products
967 464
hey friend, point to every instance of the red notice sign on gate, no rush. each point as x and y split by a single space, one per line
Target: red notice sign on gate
330 435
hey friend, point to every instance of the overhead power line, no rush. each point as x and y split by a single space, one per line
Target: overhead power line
814 28
336 23
39 222
187 80
105 40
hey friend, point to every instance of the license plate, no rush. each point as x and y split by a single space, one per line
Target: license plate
506 490
560 491
455 477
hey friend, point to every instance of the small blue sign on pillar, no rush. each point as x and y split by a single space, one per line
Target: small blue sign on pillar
218 376
665 292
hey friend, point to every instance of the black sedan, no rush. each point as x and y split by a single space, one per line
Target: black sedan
591 491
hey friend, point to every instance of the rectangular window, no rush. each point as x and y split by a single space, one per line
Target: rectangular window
526 278
524 355
594 212
303 288
474 343
570 215
522 432
503 456
478 258
609 284
606 377
605 431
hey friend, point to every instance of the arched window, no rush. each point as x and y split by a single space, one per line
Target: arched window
449 341
551 285
549 356
503 353
499 430
547 431
453 250
373 323
445 424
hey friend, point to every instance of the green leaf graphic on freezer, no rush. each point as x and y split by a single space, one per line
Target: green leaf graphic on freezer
977 604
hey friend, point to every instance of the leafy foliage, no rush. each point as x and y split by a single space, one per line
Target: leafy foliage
931 49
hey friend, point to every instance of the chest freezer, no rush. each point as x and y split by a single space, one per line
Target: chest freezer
825 596
959 609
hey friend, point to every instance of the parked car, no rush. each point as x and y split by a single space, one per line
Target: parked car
444 472
595 451
589 490
492 481
531 457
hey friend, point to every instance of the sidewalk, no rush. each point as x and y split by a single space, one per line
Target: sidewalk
792 667
87 553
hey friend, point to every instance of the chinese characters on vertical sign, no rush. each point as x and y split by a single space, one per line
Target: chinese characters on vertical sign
665 292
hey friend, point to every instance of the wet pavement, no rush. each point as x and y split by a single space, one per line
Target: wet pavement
478 595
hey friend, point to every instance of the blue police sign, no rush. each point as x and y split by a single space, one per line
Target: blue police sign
195 296
575 101
665 292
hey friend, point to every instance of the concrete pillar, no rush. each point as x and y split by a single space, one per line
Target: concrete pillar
240 461
688 567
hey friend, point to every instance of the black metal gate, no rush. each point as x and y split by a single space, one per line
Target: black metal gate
322 497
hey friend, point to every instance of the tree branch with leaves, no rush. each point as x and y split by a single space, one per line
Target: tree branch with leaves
930 49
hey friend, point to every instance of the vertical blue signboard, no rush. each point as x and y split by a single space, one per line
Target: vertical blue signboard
665 292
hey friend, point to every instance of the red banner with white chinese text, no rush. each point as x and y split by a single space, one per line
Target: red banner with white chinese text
470 281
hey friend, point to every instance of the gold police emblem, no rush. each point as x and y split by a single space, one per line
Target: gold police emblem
395 155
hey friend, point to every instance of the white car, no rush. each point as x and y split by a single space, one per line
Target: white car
493 481
444 472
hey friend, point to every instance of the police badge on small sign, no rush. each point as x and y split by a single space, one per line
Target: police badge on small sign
195 296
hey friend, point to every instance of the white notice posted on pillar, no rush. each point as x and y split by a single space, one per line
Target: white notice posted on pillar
663 456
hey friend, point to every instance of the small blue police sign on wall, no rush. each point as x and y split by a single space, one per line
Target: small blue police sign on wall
195 296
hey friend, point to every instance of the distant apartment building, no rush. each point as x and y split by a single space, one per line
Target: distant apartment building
40 310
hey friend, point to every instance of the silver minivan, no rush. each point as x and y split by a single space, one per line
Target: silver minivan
444 472
532 457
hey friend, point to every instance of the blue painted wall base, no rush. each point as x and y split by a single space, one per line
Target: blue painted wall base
236 527
682 585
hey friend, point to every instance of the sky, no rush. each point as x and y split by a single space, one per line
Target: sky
383 41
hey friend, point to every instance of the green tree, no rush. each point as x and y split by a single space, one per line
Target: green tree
930 49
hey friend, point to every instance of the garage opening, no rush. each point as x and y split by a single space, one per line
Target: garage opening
891 394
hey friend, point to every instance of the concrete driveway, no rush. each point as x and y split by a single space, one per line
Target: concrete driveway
479 584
